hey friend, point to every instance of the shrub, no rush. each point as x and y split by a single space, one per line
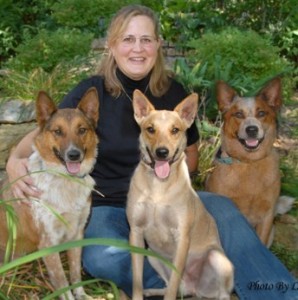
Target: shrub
48 48
244 59
24 85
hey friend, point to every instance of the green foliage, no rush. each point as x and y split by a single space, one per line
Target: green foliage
245 52
49 48
244 59
287 256
20 84
277 20
19 17
91 14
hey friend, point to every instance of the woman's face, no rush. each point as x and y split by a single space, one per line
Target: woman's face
135 51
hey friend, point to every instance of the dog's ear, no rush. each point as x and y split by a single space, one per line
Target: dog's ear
45 107
89 105
271 93
188 109
141 106
224 95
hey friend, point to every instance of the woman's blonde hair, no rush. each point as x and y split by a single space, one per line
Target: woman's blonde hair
159 79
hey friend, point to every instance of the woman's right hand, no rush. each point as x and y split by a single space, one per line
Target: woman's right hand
17 168
22 184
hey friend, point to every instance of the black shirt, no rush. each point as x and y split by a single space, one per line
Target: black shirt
118 149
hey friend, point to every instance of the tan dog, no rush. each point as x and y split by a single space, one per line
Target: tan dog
246 168
64 153
165 211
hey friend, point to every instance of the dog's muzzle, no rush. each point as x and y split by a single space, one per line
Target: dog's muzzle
72 159
160 162
251 142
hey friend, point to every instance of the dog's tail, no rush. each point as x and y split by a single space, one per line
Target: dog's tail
284 204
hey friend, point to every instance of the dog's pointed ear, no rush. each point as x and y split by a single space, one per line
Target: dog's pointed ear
188 108
89 105
271 93
224 95
45 107
141 106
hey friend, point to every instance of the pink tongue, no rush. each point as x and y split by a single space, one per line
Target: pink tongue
162 169
251 143
73 167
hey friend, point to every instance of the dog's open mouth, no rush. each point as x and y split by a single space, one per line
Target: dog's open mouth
73 168
251 143
162 168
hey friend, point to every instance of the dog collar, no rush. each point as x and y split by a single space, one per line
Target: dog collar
227 160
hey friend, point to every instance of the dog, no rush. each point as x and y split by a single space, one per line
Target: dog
164 211
246 167
64 153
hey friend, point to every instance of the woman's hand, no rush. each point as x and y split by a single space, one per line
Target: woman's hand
22 185
17 168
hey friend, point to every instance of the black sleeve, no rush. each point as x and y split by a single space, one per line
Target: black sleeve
72 99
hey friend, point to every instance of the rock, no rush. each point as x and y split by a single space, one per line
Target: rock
16 111
10 135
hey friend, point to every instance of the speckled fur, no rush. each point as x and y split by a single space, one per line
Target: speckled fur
60 214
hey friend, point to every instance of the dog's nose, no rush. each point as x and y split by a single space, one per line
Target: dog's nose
252 131
74 155
162 152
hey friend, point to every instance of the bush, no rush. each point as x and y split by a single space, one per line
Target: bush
48 48
24 85
244 59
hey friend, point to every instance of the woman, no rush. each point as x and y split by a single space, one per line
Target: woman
135 60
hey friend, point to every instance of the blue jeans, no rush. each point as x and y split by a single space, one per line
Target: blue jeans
258 273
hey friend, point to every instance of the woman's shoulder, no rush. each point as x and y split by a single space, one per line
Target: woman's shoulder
176 91
73 97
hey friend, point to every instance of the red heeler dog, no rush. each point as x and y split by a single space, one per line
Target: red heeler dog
64 153
246 168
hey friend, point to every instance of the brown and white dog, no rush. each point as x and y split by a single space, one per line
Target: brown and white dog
64 153
165 211
246 168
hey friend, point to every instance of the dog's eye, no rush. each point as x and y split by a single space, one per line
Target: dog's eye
175 130
82 130
261 114
150 129
239 114
57 132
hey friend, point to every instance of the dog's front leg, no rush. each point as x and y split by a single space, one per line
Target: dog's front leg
74 260
179 261
136 238
264 229
57 275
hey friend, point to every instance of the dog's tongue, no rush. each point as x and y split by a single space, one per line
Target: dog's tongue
73 167
251 142
162 169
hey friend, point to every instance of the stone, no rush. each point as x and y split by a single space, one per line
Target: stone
16 111
10 135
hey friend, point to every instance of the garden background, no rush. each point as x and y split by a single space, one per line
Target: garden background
52 45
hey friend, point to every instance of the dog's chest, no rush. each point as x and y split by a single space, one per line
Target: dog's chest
63 207
160 226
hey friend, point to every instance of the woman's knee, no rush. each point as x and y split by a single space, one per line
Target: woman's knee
219 206
97 261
